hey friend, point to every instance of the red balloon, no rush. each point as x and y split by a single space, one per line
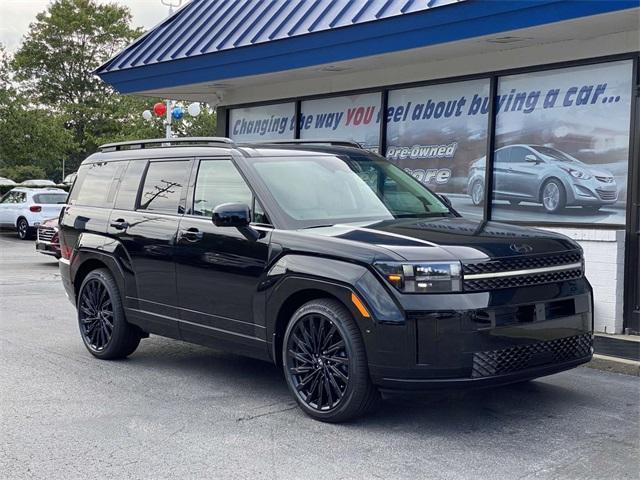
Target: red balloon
159 109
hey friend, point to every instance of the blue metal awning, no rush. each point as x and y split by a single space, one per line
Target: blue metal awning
212 40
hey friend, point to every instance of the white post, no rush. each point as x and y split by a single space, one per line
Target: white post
168 121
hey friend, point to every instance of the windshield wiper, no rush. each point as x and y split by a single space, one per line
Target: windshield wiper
319 226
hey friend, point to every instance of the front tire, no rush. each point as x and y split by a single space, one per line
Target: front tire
325 364
103 327
554 196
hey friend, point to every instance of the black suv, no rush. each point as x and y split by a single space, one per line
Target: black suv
321 257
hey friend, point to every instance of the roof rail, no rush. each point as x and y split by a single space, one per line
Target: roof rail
338 143
166 142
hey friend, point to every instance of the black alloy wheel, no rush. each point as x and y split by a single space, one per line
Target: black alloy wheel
325 362
103 326
318 362
23 229
95 312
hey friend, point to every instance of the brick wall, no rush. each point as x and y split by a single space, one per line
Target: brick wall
604 265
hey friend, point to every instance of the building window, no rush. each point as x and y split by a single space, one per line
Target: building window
562 145
267 122
438 133
350 117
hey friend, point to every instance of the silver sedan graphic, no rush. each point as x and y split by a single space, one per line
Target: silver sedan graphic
544 175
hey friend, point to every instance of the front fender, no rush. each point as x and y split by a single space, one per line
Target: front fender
295 274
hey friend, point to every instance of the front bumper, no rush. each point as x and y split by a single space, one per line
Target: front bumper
48 248
592 192
485 338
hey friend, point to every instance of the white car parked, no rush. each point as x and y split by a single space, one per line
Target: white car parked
25 208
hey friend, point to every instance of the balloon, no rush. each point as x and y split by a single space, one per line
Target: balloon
194 109
177 113
159 109
147 115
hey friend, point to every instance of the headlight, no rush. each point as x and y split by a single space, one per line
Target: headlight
578 174
422 277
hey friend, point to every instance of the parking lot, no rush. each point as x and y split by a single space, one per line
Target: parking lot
174 410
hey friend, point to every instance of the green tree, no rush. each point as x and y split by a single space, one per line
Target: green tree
54 64
31 136
20 173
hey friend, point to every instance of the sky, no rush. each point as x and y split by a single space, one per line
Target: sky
15 16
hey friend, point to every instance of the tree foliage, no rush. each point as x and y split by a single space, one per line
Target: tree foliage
52 106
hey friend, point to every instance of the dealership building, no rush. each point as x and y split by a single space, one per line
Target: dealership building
524 112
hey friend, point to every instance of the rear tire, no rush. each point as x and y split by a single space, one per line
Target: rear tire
477 193
103 327
24 231
325 363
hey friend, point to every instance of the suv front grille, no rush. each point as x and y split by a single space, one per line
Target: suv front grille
521 271
514 359
45 234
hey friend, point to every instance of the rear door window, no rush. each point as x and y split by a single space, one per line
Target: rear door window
163 186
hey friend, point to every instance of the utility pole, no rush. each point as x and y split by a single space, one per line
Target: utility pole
167 124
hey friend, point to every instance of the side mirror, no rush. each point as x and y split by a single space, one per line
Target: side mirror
532 159
231 215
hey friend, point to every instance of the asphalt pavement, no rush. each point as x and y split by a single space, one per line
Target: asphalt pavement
174 410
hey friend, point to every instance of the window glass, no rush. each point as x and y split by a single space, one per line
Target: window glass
163 186
267 122
9 198
438 134
575 122
352 117
219 182
312 191
129 184
93 183
50 198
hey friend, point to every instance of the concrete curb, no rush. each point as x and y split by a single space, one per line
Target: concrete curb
615 365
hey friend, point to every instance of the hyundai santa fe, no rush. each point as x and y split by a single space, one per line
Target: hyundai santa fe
323 258
545 175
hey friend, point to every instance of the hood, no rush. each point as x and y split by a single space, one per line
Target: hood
451 238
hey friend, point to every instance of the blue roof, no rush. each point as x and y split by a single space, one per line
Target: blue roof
210 40
208 26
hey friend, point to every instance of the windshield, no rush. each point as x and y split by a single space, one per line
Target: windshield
556 154
50 198
325 190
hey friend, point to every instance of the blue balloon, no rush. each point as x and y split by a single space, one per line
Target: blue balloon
177 113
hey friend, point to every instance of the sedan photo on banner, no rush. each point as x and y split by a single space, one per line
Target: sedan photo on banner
436 132
562 145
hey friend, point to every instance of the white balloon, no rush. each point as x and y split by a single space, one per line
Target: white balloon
147 115
194 109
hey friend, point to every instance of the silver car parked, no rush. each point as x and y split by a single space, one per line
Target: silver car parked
545 175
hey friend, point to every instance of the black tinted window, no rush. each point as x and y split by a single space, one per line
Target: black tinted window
129 184
93 184
163 186
518 154
502 156
219 182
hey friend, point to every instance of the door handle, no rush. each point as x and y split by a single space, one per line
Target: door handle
190 235
120 224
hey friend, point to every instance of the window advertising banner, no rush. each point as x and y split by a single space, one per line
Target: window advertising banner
437 132
267 122
352 117
562 145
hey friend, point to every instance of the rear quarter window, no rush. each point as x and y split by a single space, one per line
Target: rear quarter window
50 198
93 184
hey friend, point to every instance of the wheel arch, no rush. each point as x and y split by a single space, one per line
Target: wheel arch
547 180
